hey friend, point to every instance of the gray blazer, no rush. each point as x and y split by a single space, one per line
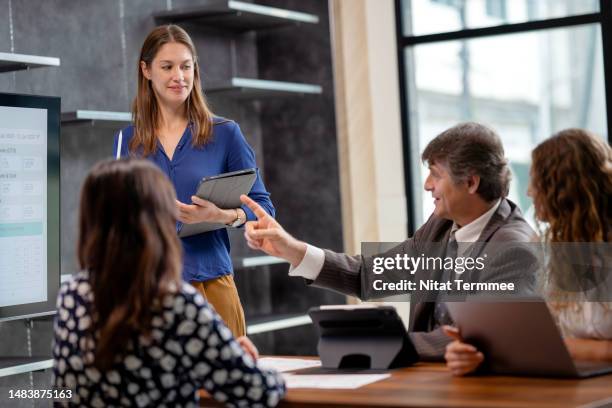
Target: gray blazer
352 275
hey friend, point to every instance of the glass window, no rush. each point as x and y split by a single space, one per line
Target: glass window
496 8
526 86
447 2
435 16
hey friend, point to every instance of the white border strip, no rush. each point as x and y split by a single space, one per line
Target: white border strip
261 261
273 12
26 368
97 115
276 85
279 324
32 60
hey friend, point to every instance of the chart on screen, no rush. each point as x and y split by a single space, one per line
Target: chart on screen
23 206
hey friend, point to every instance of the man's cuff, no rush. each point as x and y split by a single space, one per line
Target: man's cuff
311 265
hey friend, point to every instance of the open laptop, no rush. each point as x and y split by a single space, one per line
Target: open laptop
520 338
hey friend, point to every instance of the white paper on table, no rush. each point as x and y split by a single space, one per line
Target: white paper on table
286 364
332 381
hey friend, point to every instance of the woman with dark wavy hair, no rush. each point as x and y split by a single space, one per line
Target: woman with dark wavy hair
128 330
571 187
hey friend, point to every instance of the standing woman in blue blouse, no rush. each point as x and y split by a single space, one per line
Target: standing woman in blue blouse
174 128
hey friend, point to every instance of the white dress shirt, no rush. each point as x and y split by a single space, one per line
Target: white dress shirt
311 265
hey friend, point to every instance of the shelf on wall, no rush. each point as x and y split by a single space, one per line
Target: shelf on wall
20 365
236 16
279 322
252 261
15 62
108 118
249 88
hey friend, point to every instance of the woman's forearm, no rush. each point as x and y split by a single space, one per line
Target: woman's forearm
589 349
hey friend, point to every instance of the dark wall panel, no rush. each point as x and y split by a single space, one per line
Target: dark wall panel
86 36
7 81
98 43
299 135
301 157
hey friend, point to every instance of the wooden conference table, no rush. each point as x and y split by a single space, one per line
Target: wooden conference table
431 385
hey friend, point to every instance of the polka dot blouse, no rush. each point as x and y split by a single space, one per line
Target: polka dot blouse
189 349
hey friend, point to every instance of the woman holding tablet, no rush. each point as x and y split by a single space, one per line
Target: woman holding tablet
128 331
571 187
174 128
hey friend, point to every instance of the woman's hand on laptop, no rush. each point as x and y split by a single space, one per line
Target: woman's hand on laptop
267 235
461 358
589 349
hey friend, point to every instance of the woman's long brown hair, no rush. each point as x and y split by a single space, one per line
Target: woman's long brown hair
571 175
128 243
145 110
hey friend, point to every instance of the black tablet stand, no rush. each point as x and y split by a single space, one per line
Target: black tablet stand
372 338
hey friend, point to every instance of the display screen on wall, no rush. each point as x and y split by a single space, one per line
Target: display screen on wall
29 205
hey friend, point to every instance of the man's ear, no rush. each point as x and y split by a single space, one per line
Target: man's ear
145 70
473 182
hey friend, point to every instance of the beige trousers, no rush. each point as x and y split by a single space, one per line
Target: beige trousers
222 294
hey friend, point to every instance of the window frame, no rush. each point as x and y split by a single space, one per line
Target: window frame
603 18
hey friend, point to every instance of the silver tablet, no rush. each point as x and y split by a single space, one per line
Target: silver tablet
519 338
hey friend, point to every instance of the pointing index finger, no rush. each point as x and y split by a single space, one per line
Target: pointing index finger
256 208
452 332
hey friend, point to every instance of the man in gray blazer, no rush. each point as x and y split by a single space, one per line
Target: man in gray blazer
468 180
